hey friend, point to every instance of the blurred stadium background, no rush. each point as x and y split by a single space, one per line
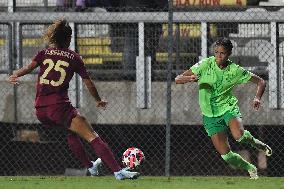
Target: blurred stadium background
133 51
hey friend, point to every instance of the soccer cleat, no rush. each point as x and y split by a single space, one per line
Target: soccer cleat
125 174
253 173
263 147
94 171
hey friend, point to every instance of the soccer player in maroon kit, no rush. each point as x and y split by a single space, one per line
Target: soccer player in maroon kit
53 107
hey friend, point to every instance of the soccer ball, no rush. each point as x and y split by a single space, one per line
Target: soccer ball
132 158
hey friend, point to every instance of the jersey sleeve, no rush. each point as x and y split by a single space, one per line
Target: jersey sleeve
198 68
243 75
38 58
81 69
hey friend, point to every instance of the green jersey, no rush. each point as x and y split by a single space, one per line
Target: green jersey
216 85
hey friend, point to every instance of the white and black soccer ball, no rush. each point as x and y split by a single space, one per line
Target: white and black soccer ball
132 158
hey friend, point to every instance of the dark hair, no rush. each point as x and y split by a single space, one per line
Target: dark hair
226 43
58 33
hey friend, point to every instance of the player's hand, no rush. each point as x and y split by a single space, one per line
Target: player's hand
13 79
192 78
256 103
102 104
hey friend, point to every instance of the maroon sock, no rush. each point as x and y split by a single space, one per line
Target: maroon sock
104 152
77 148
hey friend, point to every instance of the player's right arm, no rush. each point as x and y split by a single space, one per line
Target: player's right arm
185 77
22 71
194 73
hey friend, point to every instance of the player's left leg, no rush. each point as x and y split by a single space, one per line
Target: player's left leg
216 129
221 144
244 136
76 146
94 170
237 161
81 126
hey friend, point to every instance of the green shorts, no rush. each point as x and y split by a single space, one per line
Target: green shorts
215 125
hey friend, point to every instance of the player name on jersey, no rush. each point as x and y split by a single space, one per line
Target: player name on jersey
59 53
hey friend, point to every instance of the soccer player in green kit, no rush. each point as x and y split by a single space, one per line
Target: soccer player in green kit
217 76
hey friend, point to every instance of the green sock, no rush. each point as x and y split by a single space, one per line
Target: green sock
246 138
249 139
237 161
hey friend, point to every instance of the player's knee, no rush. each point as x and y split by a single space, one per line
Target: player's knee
80 118
237 136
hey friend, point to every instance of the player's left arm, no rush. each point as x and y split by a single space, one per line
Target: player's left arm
259 90
22 71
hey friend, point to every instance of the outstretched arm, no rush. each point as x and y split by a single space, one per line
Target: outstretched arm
21 72
94 92
185 77
259 91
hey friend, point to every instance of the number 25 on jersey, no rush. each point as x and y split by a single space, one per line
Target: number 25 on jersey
58 66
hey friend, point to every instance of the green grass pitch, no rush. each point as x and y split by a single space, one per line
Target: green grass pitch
144 182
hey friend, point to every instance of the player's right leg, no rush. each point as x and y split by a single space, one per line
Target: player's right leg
216 128
80 126
221 144
61 115
244 136
255 143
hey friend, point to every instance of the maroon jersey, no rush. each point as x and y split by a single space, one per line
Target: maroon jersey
57 67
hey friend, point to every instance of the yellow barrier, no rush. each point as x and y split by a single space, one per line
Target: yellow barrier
94 41
111 57
190 30
2 42
94 50
93 60
186 3
29 42
80 41
163 57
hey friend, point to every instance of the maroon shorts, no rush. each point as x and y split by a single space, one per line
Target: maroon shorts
57 115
